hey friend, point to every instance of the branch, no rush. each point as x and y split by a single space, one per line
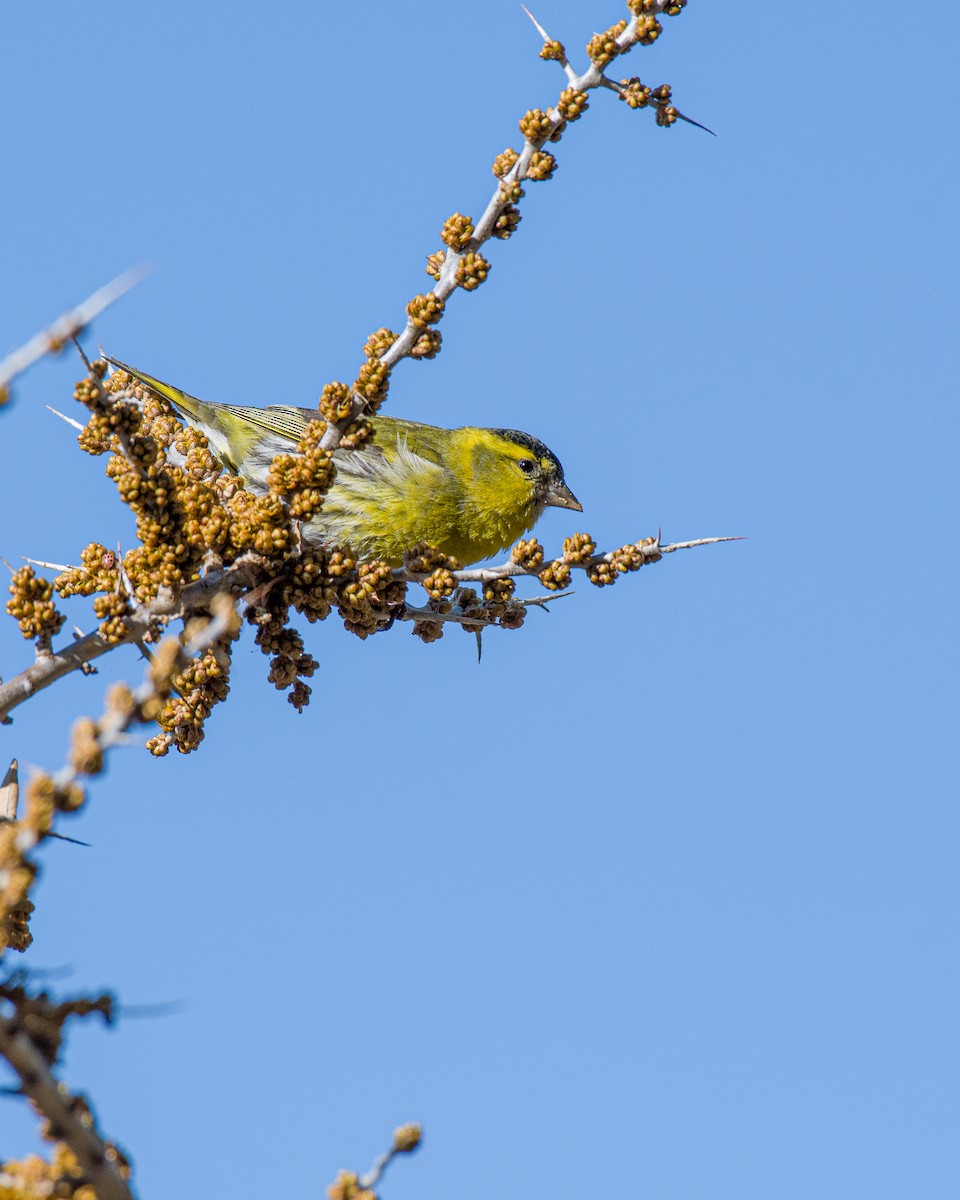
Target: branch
69 1116
650 552
54 338
459 265
350 1186
200 527
48 668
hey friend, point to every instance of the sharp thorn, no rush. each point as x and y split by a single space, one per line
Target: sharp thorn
62 837
536 24
86 361
64 417
691 121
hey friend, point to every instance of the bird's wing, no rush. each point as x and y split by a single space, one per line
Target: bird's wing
284 420
400 454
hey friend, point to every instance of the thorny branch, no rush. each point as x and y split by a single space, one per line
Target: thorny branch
246 576
206 544
143 618
203 539
53 339
30 1036
460 264
247 552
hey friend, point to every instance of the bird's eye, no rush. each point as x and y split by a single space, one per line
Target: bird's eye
527 466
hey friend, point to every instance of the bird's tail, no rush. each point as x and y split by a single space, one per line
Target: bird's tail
197 410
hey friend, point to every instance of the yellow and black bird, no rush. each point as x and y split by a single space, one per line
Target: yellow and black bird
470 492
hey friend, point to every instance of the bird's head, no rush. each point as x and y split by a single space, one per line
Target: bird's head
528 468
508 479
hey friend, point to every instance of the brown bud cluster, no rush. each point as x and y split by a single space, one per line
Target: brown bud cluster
111 421
259 523
163 665
425 309
578 548
536 125
309 588
17 874
407 1138
498 591
192 688
63 1176
368 602
602 574
619 562
435 263
603 47
372 383
289 661
305 477
424 558
457 232
630 557
347 1187
648 30
32 607
472 270
555 575
467 600
183 511
86 753
336 403
572 104
439 583
635 93
427 344
15 935
505 161
356 434
507 222
513 616
379 342
97 436
641 7
428 631
553 51
44 798
527 554
541 166
122 703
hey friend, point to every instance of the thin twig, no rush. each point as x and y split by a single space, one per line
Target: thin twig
66 327
406 1139
508 570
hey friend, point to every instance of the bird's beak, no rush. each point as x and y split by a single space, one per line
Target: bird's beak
560 496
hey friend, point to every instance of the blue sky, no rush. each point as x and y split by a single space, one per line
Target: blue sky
663 891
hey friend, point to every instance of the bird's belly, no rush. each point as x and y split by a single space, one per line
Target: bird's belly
385 526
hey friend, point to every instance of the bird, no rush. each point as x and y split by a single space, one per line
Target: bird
470 492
